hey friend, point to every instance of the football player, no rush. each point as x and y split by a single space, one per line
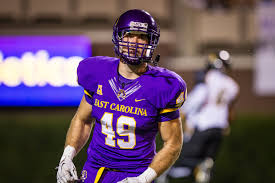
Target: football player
130 102
211 110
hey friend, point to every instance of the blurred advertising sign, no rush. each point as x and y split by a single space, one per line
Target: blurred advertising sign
265 53
41 70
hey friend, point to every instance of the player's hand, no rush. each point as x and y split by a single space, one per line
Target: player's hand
146 177
132 180
66 170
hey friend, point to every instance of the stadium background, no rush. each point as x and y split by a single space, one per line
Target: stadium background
32 138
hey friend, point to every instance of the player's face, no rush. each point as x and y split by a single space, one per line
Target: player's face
134 39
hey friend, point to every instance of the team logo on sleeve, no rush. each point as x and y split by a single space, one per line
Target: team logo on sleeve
99 90
181 99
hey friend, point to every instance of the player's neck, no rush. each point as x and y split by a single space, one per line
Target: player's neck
131 71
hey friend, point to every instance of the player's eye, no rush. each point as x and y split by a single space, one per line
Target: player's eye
144 37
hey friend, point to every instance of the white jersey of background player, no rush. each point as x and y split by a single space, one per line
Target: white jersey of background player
222 91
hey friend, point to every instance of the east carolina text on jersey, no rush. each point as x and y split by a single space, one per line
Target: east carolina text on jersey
120 108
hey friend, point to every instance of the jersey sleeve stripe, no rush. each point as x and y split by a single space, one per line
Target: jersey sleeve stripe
87 93
168 110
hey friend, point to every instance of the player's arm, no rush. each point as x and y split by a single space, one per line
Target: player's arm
170 129
77 136
188 128
231 111
172 136
234 92
80 127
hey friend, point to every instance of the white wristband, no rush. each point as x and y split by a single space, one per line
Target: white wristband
148 175
69 152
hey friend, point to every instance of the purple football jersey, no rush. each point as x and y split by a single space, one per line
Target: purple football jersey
127 114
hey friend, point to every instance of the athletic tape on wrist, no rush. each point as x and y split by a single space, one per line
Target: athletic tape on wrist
69 152
149 175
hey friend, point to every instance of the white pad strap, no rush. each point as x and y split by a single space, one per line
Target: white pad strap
69 152
148 175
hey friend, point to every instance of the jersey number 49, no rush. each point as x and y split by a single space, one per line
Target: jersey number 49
125 127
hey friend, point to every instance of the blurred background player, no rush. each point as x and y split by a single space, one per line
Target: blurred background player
208 113
130 101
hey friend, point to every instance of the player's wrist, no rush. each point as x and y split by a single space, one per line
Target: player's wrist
69 152
148 175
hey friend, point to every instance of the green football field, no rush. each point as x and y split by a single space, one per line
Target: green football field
32 143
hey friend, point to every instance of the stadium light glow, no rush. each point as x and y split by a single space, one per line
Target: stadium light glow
224 55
